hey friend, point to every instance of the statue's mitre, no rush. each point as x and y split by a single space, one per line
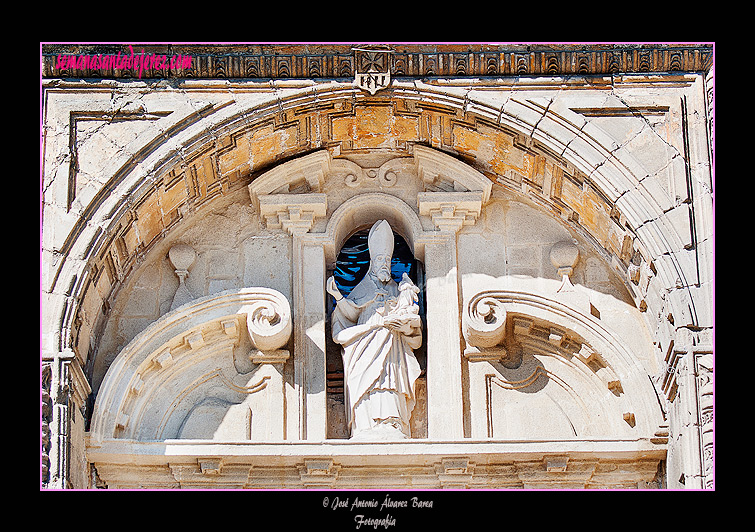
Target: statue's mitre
380 239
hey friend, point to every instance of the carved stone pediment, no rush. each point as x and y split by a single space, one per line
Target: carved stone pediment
305 174
442 173
556 363
202 365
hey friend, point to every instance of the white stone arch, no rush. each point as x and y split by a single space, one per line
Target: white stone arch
77 253
362 211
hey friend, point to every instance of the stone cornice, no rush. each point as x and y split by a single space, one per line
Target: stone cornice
333 61
409 464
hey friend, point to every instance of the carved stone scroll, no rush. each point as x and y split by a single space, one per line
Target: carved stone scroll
268 320
167 370
484 328
550 361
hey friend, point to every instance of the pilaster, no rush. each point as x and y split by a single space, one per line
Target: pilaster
449 212
66 389
296 213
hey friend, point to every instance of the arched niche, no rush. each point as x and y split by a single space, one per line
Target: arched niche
448 194
357 256
361 211
356 214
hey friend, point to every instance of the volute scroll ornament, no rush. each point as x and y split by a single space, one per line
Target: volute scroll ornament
268 321
187 352
384 176
484 329
484 321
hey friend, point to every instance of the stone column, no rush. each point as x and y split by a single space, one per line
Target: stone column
272 367
688 386
449 212
65 391
296 214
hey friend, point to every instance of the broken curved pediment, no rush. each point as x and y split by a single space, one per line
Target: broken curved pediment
215 356
543 370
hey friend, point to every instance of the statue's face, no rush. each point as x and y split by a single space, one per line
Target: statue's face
381 267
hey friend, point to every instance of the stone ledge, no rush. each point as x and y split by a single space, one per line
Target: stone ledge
415 464
417 451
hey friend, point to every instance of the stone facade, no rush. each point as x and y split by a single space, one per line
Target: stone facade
557 200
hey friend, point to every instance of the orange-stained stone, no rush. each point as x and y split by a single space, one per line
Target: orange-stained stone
252 151
235 157
171 196
494 150
130 241
268 144
148 219
343 129
406 128
374 127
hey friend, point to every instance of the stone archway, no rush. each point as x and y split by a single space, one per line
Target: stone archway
317 227
223 147
150 194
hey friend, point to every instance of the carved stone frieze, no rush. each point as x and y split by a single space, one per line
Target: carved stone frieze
384 176
387 465
260 61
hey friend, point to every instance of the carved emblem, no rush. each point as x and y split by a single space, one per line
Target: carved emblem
372 71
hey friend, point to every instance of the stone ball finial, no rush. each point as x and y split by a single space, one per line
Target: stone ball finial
182 256
564 256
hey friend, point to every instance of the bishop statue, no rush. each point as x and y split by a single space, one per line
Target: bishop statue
378 327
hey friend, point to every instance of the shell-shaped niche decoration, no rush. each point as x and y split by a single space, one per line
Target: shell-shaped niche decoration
182 257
